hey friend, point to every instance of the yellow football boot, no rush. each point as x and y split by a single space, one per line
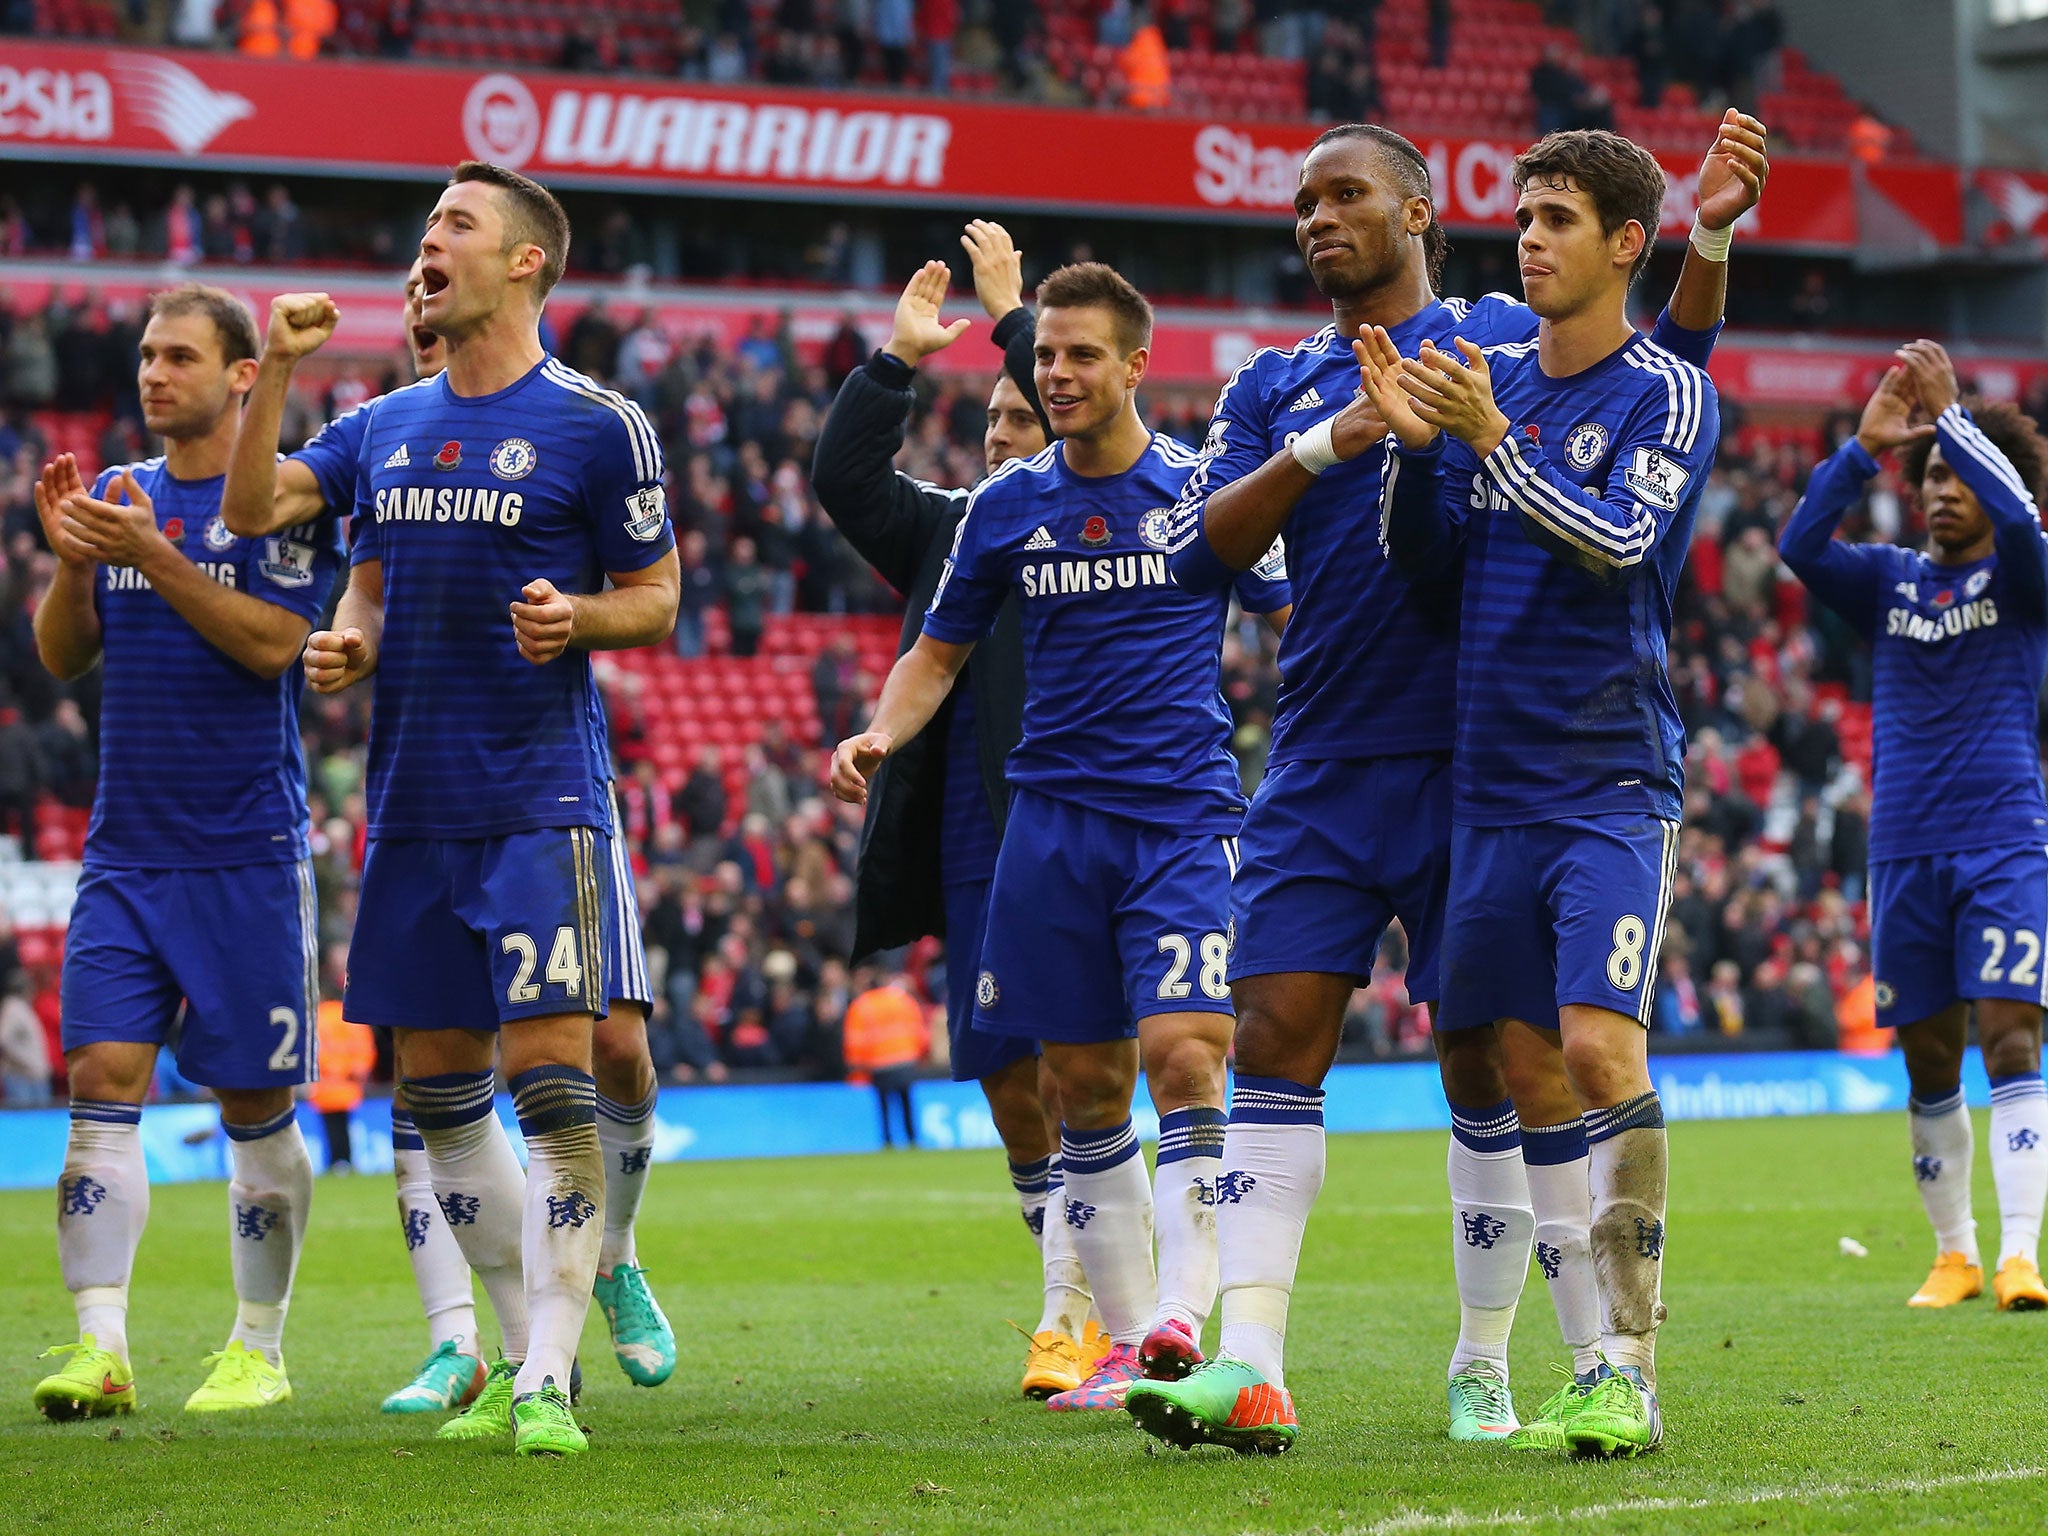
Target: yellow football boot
1953 1278
1052 1365
2018 1287
1095 1346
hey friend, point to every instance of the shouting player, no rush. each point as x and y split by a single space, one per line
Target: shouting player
1958 898
195 925
263 491
1109 917
1351 825
936 809
497 498
1569 488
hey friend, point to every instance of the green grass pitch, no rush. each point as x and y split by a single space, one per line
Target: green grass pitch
845 1367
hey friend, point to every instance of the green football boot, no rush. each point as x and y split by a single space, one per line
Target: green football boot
1545 1432
92 1383
1224 1402
240 1378
1619 1417
1482 1407
446 1379
641 1337
489 1416
544 1425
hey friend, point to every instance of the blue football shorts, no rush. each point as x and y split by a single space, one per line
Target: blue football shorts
1096 922
239 948
471 933
976 1053
1333 852
627 969
1556 914
1969 924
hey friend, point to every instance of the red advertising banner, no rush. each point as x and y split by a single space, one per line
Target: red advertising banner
116 104
1192 350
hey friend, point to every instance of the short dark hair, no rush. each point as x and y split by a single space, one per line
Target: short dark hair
232 321
1412 166
2011 430
532 216
1623 179
1091 284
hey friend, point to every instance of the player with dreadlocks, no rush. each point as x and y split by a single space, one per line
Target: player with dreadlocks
1351 826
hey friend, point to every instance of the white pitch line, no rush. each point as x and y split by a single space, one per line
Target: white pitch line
1465 1520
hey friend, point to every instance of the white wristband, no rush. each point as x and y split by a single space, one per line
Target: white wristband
1713 244
1316 450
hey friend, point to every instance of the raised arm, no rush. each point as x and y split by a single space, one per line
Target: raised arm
67 622
262 495
263 636
889 518
999 283
1731 182
1850 578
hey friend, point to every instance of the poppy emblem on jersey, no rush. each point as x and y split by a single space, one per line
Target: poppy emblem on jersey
1585 445
450 456
1943 598
1156 528
219 536
1534 433
1977 583
174 529
986 991
1095 533
647 511
513 459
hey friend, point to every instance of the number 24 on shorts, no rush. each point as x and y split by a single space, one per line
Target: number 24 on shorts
1214 973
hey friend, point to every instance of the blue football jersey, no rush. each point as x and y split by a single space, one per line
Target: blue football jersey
464 501
200 764
1573 533
1368 664
1958 653
1123 711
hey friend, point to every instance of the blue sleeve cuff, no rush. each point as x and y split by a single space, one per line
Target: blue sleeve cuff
1425 456
1196 568
1858 458
1696 347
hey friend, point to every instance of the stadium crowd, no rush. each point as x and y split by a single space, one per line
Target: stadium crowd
745 878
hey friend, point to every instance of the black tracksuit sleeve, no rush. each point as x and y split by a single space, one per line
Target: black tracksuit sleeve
888 517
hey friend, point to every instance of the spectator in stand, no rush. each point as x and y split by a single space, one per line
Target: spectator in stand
894 31
196 23
277 229
702 588
124 234
348 1053
25 1064
1677 1008
700 803
184 231
1725 1005
1439 33
68 764
747 590
938 22
88 227
885 1038
1142 64
1557 88
846 351
31 363
21 778
1644 41
832 688
395 31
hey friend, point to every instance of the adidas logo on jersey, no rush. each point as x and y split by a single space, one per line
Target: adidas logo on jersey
1041 539
399 458
1308 400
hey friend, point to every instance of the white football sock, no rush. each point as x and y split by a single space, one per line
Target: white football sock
626 1132
1943 1144
1561 1195
439 1271
1491 1226
270 1192
1184 1212
1032 1181
1629 1153
480 1188
2019 1162
565 1173
1068 1301
102 1207
1273 1160
1109 1209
